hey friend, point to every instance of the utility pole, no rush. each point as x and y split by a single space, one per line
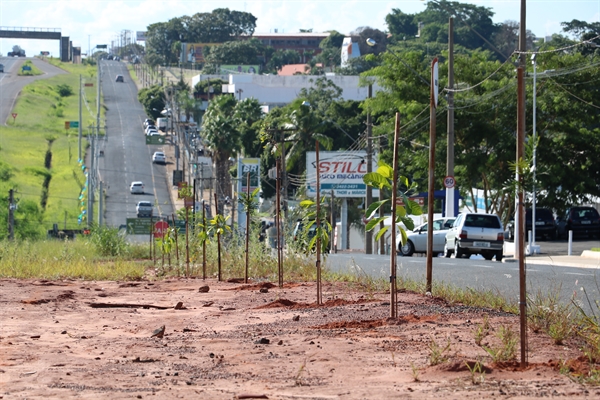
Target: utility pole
11 215
431 188
519 209
381 211
393 261
450 211
369 199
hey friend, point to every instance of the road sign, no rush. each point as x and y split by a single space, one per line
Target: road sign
88 84
101 46
26 68
419 200
14 115
74 124
160 229
449 182
139 226
155 139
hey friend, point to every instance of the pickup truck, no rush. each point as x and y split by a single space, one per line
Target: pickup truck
144 209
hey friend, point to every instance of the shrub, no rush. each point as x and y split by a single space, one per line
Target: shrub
64 90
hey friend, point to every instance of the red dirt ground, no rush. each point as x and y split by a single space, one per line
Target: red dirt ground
89 340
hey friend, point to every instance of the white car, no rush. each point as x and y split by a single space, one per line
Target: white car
136 187
417 239
474 233
159 157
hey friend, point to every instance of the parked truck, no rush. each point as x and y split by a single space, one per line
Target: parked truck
162 124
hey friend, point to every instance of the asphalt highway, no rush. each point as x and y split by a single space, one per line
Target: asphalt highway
126 157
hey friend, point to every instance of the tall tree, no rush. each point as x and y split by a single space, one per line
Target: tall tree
244 52
248 114
223 139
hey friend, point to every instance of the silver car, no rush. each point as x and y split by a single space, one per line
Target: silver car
417 239
474 233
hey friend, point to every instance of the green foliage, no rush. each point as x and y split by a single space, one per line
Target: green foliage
321 231
282 57
64 90
383 179
202 88
218 225
507 349
108 241
222 136
243 52
334 40
6 172
219 26
153 100
438 353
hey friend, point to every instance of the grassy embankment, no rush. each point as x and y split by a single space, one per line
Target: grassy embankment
38 136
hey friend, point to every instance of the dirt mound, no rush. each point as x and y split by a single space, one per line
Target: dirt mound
278 303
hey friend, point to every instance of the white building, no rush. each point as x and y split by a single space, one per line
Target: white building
274 90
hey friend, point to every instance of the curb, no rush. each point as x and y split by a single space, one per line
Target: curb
594 255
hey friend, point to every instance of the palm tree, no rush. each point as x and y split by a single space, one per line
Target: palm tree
222 138
306 126
249 115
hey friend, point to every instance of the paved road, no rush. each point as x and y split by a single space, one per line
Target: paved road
126 157
11 84
479 274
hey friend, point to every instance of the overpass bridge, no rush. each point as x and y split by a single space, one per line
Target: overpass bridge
66 46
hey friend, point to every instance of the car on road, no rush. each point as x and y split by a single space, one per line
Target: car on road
474 233
136 187
119 78
582 220
417 239
545 225
2 68
150 127
147 122
153 132
159 157
143 209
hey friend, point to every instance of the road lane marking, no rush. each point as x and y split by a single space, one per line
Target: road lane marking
577 273
482 266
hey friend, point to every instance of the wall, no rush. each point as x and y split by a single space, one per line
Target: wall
281 90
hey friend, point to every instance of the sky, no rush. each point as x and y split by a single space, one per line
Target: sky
92 22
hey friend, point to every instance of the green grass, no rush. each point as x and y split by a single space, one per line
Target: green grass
34 70
42 113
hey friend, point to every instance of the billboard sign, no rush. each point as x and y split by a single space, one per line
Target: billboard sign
339 171
248 166
140 36
239 69
194 52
